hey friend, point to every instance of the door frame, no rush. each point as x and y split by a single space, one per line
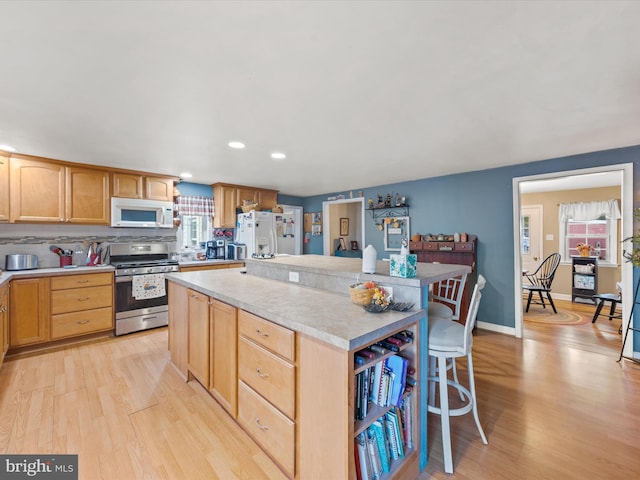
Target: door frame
326 221
627 231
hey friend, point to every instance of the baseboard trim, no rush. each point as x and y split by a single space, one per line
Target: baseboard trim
492 327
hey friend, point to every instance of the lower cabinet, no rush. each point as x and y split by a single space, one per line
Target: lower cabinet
53 308
211 353
4 321
81 304
29 312
196 268
223 376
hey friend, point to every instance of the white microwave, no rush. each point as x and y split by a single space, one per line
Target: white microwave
139 213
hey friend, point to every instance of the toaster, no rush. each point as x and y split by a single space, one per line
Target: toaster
21 261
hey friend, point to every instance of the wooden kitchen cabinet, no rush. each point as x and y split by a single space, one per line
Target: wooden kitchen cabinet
179 327
223 379
28 311
227 198
87 196
132 185
4 187
48 192
199 333
195 268
4 321
81 304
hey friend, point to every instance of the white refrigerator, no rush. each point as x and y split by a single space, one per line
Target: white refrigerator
266 234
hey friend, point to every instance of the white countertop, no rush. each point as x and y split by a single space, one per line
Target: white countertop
327 316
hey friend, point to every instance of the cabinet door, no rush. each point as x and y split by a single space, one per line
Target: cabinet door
246 193
126 185
268 199
198 351
225 198
87 196
4 188
223 379
178 326
37 191
158 188
4 321
29 311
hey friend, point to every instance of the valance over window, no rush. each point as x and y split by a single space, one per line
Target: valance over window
585 211
195 205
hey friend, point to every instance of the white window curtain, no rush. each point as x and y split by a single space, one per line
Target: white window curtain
585 211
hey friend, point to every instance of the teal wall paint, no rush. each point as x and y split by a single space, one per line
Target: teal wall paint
479 203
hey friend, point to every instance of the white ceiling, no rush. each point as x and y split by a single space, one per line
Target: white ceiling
356 94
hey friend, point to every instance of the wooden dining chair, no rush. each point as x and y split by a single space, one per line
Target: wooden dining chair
540 281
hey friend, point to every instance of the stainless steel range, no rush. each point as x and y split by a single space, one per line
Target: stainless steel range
141 287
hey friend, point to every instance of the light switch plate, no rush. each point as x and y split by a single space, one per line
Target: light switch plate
549 236
294 277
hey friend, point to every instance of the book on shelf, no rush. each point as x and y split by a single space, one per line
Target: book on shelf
381 440
397 365
363 459
374 455
394 434
407 412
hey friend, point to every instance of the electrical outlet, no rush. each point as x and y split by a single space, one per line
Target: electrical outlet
294 277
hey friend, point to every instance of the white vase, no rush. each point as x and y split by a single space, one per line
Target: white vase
369 259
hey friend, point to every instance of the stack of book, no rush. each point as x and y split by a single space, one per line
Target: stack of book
383 384
386 440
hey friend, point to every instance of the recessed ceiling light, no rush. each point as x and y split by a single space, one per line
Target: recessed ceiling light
185 175
7 148
278 156
236 145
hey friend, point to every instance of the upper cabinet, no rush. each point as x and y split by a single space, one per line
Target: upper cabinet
44 191
4 187
131 185
227 198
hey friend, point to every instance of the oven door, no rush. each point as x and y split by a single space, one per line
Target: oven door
126 303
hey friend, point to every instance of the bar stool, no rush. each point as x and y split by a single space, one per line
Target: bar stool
449 340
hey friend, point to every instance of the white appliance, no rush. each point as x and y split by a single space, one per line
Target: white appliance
140 213
267 234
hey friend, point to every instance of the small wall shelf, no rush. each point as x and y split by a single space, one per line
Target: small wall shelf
389 212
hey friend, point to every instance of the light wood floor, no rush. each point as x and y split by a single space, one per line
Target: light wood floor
555 404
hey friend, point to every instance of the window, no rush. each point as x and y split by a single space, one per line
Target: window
194 229
526 235
594 233
594 224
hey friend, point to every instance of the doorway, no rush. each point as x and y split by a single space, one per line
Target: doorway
625 172
334 229
531 234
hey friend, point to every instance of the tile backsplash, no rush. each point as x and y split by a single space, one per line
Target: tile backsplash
36 239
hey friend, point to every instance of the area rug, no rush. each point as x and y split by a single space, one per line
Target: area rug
563 317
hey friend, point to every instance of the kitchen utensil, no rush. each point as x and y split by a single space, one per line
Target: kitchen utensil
18 261
56 250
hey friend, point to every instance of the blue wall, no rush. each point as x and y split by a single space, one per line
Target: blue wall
479 203
189 189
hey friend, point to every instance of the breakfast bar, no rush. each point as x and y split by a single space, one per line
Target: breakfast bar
275 343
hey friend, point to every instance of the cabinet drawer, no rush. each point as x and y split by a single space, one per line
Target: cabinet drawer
268 374
80 323
75 281
274 337
271 429
430 246
463 246
77 299
415 245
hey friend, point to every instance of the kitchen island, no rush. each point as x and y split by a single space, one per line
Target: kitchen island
288 351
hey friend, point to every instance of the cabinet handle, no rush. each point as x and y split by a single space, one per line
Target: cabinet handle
261 426
82 281
261 333
84 299
83 322
261 374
